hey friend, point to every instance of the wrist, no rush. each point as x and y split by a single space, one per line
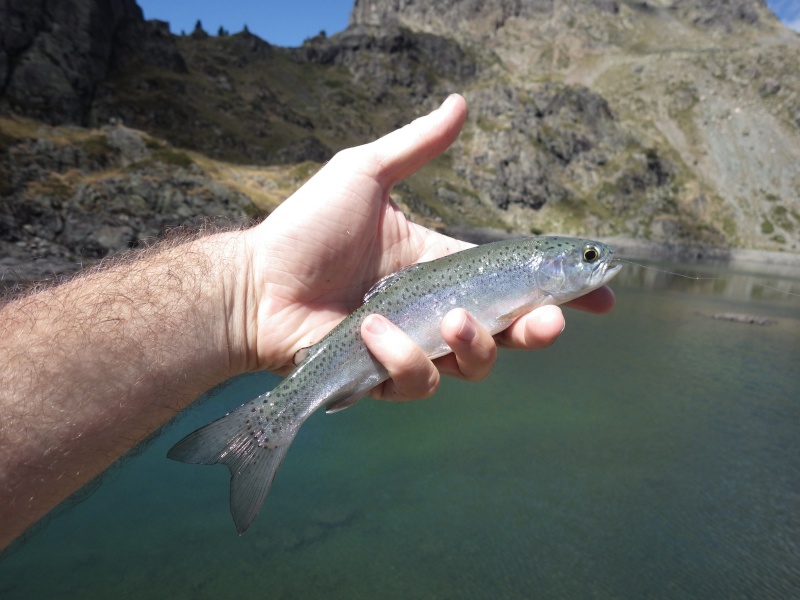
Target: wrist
237 300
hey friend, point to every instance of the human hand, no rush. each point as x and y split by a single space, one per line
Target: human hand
314 258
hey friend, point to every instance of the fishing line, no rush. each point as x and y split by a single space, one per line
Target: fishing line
697 278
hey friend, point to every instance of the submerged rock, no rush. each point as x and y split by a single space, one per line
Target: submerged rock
744 318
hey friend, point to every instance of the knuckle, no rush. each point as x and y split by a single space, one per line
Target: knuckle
479 366
422 381
415 385
434 380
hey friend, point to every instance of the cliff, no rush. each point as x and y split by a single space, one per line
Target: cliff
54 53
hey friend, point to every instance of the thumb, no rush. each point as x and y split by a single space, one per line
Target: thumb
403 152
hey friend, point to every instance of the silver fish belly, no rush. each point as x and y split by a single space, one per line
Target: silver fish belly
496 283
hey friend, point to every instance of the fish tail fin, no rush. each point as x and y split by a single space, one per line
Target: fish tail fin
253 465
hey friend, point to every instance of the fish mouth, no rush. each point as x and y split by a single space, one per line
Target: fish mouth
610 273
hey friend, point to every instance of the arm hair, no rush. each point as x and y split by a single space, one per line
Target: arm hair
93 366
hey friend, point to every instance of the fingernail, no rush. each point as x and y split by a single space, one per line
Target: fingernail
467 332
376 325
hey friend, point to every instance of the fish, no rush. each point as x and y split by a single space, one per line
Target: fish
496 283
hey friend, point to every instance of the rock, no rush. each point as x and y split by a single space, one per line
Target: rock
392 56
572 128
720 14
55 53
770 87
494 13
139 43
744 318
68 206
198 32
129 144
308 148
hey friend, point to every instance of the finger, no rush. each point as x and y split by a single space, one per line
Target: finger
412 373
536 330
474 348
599 301
404 151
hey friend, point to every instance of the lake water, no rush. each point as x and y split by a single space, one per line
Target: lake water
651 453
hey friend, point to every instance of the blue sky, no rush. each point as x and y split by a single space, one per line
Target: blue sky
280 22
788 11
288 23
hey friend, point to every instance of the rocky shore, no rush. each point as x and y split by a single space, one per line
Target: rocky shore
74 196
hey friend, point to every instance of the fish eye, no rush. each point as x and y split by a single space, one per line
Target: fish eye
591 254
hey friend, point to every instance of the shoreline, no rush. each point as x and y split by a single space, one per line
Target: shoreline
631 248
19 269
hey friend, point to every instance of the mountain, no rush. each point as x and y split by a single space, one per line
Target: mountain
673 121
669 120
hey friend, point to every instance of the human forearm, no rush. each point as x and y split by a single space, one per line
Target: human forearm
92 367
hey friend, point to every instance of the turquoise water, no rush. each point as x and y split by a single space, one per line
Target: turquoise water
651 453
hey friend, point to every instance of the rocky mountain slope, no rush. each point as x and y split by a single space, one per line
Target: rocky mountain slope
675 121
72 196
667 120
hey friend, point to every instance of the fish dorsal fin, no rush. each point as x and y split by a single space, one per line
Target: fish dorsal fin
342 404
384 284
301 355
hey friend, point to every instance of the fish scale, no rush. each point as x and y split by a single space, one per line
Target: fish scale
496 283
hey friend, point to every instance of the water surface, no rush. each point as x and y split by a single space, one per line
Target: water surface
651 453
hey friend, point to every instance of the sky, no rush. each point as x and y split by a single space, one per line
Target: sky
280 22
788 12
289 23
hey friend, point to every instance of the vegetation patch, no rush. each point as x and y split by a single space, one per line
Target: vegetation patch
780 214
97 148
173 158
52 187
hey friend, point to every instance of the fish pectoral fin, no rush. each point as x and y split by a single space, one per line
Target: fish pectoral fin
338 405
513 315
300 355
307 352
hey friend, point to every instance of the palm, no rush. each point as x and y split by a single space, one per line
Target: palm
326 250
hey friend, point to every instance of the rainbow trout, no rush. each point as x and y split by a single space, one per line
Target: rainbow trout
495 282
